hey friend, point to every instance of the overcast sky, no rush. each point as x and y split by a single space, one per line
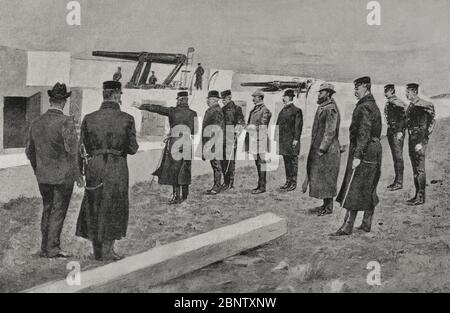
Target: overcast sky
328 39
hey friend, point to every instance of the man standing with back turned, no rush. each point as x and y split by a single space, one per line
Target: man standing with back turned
52 148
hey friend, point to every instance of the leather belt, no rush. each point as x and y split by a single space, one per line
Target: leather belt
107 151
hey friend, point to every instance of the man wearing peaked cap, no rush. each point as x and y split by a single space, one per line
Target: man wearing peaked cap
234 125
108 135
395 112
362 174
174 171
212 139
257 138
52 148
324 158
289 130
420 117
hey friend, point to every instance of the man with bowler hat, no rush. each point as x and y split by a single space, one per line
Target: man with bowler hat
52 148
212 138
289 128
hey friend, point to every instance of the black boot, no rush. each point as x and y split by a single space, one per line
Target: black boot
420 200
347 228
366 224
184 192
108 253
97 250
416 184
286 185
175 196
292 186
327 207
262 183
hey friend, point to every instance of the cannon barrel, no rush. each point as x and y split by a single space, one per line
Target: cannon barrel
283 85
163 58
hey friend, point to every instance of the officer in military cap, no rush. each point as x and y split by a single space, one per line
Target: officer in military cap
257 138
289 129
234 124
395 112
108 136
176 171
359 187
420 123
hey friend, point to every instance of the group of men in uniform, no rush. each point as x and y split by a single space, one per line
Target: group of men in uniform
108 135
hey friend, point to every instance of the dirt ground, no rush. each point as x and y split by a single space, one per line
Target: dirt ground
412 244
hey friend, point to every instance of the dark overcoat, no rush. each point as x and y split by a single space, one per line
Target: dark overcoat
214 118
289 128
365 133
323 170
259 117
175 171
108 135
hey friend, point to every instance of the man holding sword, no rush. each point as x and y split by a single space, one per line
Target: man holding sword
234 125
359 188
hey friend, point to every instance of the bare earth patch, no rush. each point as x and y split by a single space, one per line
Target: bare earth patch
412 244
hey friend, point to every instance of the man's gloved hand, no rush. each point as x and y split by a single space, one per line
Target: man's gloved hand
356 163
399 135
418 147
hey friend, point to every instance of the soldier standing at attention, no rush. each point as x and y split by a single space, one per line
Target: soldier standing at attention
324 158
289 128
359 187
174 171
395 112
234 124
257 138
420 123
108 136
212 138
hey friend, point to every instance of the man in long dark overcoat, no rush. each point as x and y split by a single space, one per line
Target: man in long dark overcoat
359 188
324 156
289 128
199 77
52 148
212 138
257 138
175 170
107 137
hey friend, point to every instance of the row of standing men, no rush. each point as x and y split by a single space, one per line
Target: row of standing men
109 135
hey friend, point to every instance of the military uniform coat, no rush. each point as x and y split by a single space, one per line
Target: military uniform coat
233 116
109 135
365 133
173 171
323 171
213 118
289 128
395 112
259 116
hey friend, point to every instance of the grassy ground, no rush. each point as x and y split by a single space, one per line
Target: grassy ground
412 244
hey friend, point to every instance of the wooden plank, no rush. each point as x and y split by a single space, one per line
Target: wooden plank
163 263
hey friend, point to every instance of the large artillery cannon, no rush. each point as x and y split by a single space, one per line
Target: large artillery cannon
144 63
274 86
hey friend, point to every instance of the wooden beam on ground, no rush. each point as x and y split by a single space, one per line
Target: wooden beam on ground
163 263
